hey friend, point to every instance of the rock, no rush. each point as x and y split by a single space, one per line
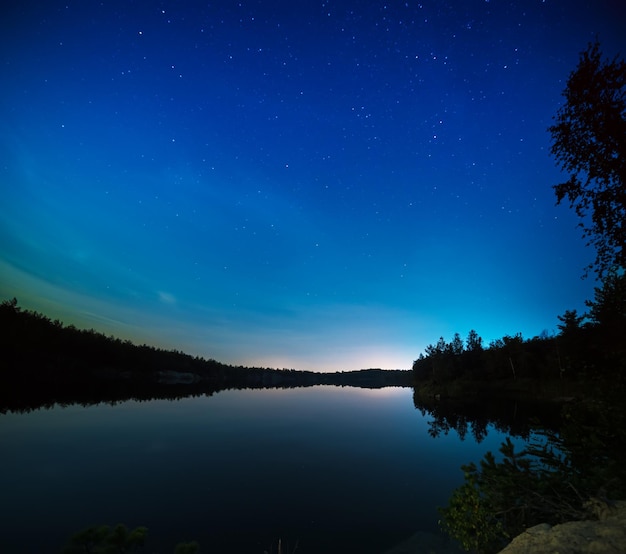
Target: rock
607 536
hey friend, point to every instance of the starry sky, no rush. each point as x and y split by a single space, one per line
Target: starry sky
323 185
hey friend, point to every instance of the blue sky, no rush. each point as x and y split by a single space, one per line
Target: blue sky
317 185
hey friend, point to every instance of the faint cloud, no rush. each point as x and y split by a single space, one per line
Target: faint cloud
166 297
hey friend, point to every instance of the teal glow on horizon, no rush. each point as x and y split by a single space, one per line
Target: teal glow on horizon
325 186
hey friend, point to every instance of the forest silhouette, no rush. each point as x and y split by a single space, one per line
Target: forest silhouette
45 362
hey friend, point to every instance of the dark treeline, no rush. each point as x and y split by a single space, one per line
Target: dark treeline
45 362
588 350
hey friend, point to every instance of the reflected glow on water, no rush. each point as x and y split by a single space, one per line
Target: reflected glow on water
333 468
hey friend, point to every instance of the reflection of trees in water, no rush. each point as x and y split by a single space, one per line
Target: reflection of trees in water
508 416
571 472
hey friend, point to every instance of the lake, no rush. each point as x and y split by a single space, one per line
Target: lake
324 469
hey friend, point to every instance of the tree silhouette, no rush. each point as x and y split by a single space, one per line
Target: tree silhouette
474 342
570 322
589 143
608 308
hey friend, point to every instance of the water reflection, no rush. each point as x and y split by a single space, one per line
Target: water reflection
475 417
337 469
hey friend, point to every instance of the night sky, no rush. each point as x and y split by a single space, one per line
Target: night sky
311 185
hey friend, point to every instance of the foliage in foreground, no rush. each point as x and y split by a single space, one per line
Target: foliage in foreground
500 499
555 479
103 539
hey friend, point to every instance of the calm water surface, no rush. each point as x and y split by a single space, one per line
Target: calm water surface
335 469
